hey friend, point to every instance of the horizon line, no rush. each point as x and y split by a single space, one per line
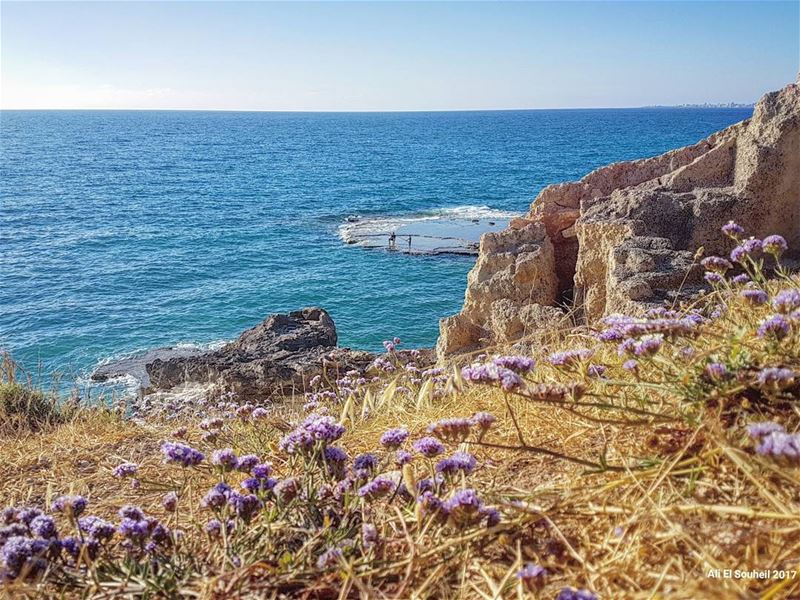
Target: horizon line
707 105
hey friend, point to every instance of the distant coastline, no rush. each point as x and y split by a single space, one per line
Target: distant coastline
704 105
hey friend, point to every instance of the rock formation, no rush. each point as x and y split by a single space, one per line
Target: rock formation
279 355
624 237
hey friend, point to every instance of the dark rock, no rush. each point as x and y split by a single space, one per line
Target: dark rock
277 356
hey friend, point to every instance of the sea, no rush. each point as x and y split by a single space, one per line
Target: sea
125 231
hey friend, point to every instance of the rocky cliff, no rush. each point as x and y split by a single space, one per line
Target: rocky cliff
623 237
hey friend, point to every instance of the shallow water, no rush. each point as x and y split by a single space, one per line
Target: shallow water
126 231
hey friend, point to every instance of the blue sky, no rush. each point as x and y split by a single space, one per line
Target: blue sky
392 56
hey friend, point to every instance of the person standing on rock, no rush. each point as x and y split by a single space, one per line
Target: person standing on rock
393 240
409 243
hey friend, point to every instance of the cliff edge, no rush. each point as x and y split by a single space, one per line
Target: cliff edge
623 238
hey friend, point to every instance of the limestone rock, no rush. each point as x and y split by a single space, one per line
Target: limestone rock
624 237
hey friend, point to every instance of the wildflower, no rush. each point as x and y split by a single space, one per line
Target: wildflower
716 371
570 358
492 373
335 455
214 499
716 264
44 527
96 528
428 504
247 463
483 420
454 429
460 461
552 392
259 413
225 459
262 471
775 377
18 553
491 514
329 559
775 327
758 430
213 528
774 245
246 505
313 429
255 485
70 505
733 230
713 278
365 462
134 530
377 488
648 346
569 593
631 365
212 424
780 445
170 502
532 576
287 490
463 507
740 279
369 535
519 364
596 371
749 247
181 454
26 515
244 411
394 438
786 301
428 447
753 297
389 346
127 469
402 457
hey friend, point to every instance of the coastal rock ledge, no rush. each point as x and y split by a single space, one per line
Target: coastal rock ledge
277 356
623 238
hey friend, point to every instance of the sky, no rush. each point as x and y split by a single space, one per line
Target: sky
381 56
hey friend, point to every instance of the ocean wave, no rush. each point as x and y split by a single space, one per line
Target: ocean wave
457 223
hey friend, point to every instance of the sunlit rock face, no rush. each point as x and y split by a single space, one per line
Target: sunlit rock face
624 237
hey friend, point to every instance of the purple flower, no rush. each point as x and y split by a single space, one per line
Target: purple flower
569 593
483 420
775 327
463 507
631 365
259 413
131 512
492 373
491 514
127 469
774 245
781 445
96 528
136 531
247 463
786 301
733 230
716 371
225 459
428 504
596 371
212 424
428 447
716 264
570 358
213 528
214 499
740 279
315 428
532 576
758 430
287 490
389 346
749 247
18 552
394 438
365 462
181 454
246 505
70 505
170 502
775 377
402 457
753 297
44 527
713 278
377 488
262 471
454 429
369 535
330 558
519 364
460 461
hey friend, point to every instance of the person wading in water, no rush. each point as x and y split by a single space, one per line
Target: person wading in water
409 243
392 240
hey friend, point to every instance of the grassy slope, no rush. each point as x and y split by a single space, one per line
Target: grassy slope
690 495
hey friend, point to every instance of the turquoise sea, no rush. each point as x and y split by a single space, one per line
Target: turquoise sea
125 231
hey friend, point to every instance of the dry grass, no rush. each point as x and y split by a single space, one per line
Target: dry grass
689 495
